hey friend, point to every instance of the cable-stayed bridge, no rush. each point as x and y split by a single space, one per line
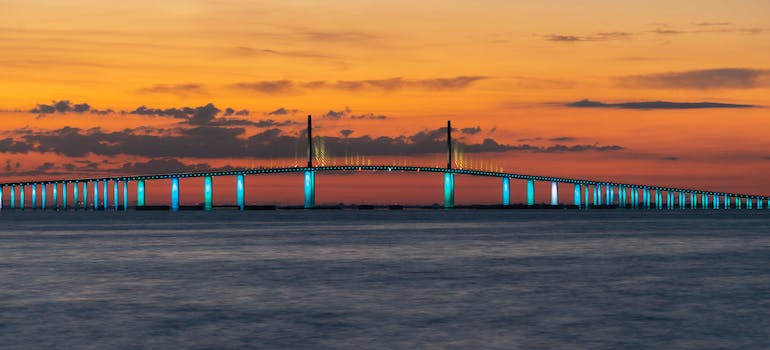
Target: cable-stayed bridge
586 193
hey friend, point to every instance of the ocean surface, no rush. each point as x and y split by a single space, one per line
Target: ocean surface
412 279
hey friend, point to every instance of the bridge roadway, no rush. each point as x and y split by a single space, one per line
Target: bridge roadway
603 192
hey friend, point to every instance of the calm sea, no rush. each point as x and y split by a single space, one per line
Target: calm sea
413 279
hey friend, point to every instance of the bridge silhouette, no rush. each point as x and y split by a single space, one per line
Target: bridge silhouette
586 193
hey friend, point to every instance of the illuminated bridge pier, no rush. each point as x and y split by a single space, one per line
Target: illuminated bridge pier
113 193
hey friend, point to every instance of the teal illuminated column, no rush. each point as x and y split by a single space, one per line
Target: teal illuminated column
239 189
115 194
207 193
34 196
105 195
310 188
55 195
530 192
585 195
85 195
506 191
449 190
64 195
1 197
21 197
716 201
737 202
726 200
704 200
96 195
759 202
576 195
75 195
125 195
681 200
596 194
13 197
175 193
749 204
610 195
140 193
599 194
554 193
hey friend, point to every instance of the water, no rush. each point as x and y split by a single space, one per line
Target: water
427 279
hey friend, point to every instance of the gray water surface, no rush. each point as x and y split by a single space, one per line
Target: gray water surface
413 279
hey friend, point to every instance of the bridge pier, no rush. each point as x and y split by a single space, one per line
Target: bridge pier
64 195
105 194
530 192
208 201
115 194
681 200
175 193
737 203
449 190
576 195
693 201
759 203
55 195
1 196
239 189
310 188
21 197
506 191
140 193
75 195
716 201
125 195
749 203
585 196
85 195
595 194
13 197
554 193
96 195
34 196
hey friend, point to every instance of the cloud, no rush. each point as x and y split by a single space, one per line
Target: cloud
175 89
63 106
471 131
249 51
390 84
712 24
601 36
720 78
654 105
283 111
269 123
233 142
563 139
335 115
670 158
346 132
9 145
370 116
268 87
199 116
162 165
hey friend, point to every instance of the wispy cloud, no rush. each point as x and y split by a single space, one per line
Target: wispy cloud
720 78
175 89
601 36
649 105
390 84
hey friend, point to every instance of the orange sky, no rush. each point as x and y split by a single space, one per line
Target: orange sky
396 68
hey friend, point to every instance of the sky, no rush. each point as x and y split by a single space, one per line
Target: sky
668 93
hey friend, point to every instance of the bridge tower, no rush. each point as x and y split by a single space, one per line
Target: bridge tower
449 176
310 173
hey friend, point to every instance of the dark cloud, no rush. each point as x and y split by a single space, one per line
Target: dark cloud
334 115
563 139
198 116
654 105
346 132
44 167
721 78
665 31
670 158
391 84
369 116
8 166
9 145
283 111
268 87
175 89
218 142
471 131
601 36
712 24
269 123
162 165
63 106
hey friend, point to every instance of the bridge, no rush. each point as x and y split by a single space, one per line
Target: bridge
586 193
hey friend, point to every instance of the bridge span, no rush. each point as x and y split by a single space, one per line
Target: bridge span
586 193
